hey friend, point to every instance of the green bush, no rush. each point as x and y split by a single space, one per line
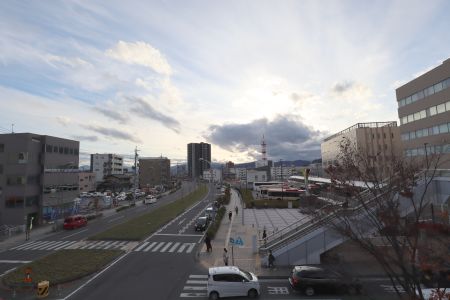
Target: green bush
212 229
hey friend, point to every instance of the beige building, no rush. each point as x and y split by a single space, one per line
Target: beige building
154 171
86 182
379 140
424 113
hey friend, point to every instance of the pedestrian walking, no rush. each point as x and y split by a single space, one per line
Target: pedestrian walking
27 233
264 236
271 259
208 244
236 209
225 256
230 214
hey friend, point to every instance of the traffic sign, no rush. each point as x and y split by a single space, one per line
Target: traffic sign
237 241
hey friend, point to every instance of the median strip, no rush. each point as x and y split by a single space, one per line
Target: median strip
140 227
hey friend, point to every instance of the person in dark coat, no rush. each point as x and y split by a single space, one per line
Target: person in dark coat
208 244
230 214
271 259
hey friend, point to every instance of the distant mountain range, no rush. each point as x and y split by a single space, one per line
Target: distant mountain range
287 163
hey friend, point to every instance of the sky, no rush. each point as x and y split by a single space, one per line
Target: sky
158 75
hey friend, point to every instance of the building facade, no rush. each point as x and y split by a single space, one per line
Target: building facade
38 177
380 141
86 182
106 164
424 113
281 172
154 171
212 175
198 158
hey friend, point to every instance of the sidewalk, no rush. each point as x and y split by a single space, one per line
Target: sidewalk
243 256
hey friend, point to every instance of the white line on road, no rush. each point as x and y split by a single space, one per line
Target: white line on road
196 281
179 223
50 247
189 250
149 247
65 245
166 247
178 234
115 219
14 261
74 233
27 246
192 295
141 246
111 245
159 246
9 271
198 276
174 247
195 288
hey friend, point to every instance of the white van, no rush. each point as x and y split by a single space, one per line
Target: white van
231 281
150 199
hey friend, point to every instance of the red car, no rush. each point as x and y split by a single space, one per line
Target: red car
73 222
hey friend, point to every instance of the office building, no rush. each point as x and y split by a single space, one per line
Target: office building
86 182
106 164
154 171
424 113
198 158
212 175
379 141
38 177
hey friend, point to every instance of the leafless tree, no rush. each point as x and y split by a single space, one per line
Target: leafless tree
385 207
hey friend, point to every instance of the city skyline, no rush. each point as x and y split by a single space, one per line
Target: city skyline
164 74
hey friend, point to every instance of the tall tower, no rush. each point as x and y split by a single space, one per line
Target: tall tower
263 149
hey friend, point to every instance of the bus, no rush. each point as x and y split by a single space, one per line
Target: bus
257 185
282 193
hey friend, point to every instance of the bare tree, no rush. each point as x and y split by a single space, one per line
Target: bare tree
385 206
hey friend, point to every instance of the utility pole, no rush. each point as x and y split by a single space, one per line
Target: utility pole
135 174
12 128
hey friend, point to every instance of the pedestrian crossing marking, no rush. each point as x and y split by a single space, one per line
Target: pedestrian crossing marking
195 287
58 245
55 245
70 243
174 247
391 289
150 247
166 247
278 290
142 246
158 246
190 247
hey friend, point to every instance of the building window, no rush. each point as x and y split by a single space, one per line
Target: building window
22 157
71 151
61 150
14 201
48 148
2 148
443 128
32 201
66 150
441 108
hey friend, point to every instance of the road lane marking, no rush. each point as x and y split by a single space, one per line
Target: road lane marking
53 246
23 245
196 281
150 247
195 288
141 246
97 245
181 249
70 235
66 245
157 247
111 244
15 261
166 247
43 245
174 247
191 246
28 246
192 295
198 276
179 223
178 234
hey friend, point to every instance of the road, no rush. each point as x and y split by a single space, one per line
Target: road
36 248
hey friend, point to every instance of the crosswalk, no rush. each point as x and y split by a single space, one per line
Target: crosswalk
165 247
161 247
196 286
391 289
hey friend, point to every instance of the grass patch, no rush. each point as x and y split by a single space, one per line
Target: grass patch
142 226
250 202
63 266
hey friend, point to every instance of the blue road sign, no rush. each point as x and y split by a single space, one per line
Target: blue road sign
236 241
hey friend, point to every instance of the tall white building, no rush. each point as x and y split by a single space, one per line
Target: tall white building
281 172
213 175
106 164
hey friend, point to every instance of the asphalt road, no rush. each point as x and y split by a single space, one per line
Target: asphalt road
39 247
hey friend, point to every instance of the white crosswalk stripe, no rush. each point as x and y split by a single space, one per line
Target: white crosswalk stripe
165 247
391 288
196 286
58 245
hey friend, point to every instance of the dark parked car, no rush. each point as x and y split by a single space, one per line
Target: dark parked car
73 222
201 224
311 280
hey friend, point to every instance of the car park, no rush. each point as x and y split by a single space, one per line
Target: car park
201 224
150 199
73 222
230 281
313 280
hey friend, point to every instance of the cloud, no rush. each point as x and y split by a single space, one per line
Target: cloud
351 89
89 138
287 137
113 114
113 133
146 110
140 53
342 87
64 121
